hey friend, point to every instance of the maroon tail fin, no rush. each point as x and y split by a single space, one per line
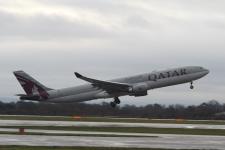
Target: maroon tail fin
30 85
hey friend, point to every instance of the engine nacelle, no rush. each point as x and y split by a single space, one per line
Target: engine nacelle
139 89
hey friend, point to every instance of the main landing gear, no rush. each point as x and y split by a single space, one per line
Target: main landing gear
191 86
115 102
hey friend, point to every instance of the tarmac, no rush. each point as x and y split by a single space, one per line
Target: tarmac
106 124
168 141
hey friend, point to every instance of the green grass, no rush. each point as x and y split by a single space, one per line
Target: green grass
66 134
110 119
130 130
38 118
71 148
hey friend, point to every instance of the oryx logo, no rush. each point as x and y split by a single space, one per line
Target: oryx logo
34 89
22 82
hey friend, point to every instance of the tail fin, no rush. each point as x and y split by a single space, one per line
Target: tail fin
30 85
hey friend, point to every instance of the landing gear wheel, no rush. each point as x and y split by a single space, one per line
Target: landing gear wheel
113 104
116 100
191 87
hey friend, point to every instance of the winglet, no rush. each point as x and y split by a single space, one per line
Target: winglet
77 75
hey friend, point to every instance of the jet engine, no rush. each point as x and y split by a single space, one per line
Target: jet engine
139 89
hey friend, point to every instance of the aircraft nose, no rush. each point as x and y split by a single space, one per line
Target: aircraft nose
206 71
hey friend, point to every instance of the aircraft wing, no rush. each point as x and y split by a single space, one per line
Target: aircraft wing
106 85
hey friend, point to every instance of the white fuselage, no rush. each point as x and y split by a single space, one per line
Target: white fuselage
140 83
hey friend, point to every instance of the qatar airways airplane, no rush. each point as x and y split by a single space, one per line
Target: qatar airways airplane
137 85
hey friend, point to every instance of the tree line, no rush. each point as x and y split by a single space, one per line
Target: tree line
207 110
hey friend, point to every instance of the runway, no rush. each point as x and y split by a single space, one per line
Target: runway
162 141
105 124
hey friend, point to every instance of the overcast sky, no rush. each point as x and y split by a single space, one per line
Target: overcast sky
104 39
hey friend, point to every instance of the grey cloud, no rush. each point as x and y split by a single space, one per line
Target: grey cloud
45 27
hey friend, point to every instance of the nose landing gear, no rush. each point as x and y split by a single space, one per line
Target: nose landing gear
115 102
191 86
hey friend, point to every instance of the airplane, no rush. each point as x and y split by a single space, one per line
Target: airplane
137 85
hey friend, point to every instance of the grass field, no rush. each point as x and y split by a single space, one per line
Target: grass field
219 132
71 148
67 134
111 119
